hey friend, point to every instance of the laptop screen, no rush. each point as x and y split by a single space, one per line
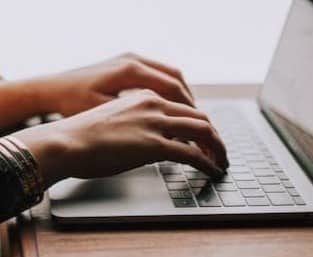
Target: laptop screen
287 96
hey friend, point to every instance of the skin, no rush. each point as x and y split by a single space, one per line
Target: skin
103 128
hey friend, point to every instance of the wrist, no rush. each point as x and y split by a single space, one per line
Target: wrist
48 149
44 95
31 94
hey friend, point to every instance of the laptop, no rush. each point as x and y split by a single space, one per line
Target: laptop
269 144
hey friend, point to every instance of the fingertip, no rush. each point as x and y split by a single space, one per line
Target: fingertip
213 171
219 172
188 100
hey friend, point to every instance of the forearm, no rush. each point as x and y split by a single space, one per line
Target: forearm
19 100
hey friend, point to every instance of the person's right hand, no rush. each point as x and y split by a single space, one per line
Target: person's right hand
126 133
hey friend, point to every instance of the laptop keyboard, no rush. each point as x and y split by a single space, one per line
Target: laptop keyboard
254 177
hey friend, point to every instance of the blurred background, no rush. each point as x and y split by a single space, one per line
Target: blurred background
212 41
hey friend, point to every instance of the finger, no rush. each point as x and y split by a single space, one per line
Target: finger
177 109
181 110
189 154
142 76
162 67
200 132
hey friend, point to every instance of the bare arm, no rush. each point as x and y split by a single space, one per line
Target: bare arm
77 90
17 102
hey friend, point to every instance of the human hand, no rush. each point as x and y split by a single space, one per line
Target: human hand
126 133
74 91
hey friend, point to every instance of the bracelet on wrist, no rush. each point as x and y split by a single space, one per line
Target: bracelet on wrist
21 161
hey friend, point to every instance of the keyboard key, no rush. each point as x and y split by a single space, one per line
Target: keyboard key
245 145
226 179
264 149
243 176
255 158
174 178
208 198
195 175
232 199
237 162
250 152
292 191
282 176
189 168
184 203
234 155
180 194
173 169
273 188
287 184
225 187
258 201
268 180
280 199
231 149
198 183
196 190
277 168
259 165
167 163
177 186
271 160
266 153
263 172
247 184
252 192
298 200
239 169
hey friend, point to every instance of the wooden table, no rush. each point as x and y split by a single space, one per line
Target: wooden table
33 234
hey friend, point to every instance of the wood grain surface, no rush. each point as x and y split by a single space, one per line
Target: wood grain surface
40 238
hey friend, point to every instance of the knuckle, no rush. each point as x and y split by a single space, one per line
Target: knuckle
194 153
148 92
157 143
191 155
152 102
130 55
155 121
131 67
205 127
203 116
178 73
175 88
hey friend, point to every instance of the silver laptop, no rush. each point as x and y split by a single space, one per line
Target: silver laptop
269 143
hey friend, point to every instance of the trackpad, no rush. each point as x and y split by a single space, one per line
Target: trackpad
129 192
142 172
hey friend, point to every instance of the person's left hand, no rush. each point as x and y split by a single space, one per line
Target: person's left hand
81 89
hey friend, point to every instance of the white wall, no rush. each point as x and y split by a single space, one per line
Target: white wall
212 41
